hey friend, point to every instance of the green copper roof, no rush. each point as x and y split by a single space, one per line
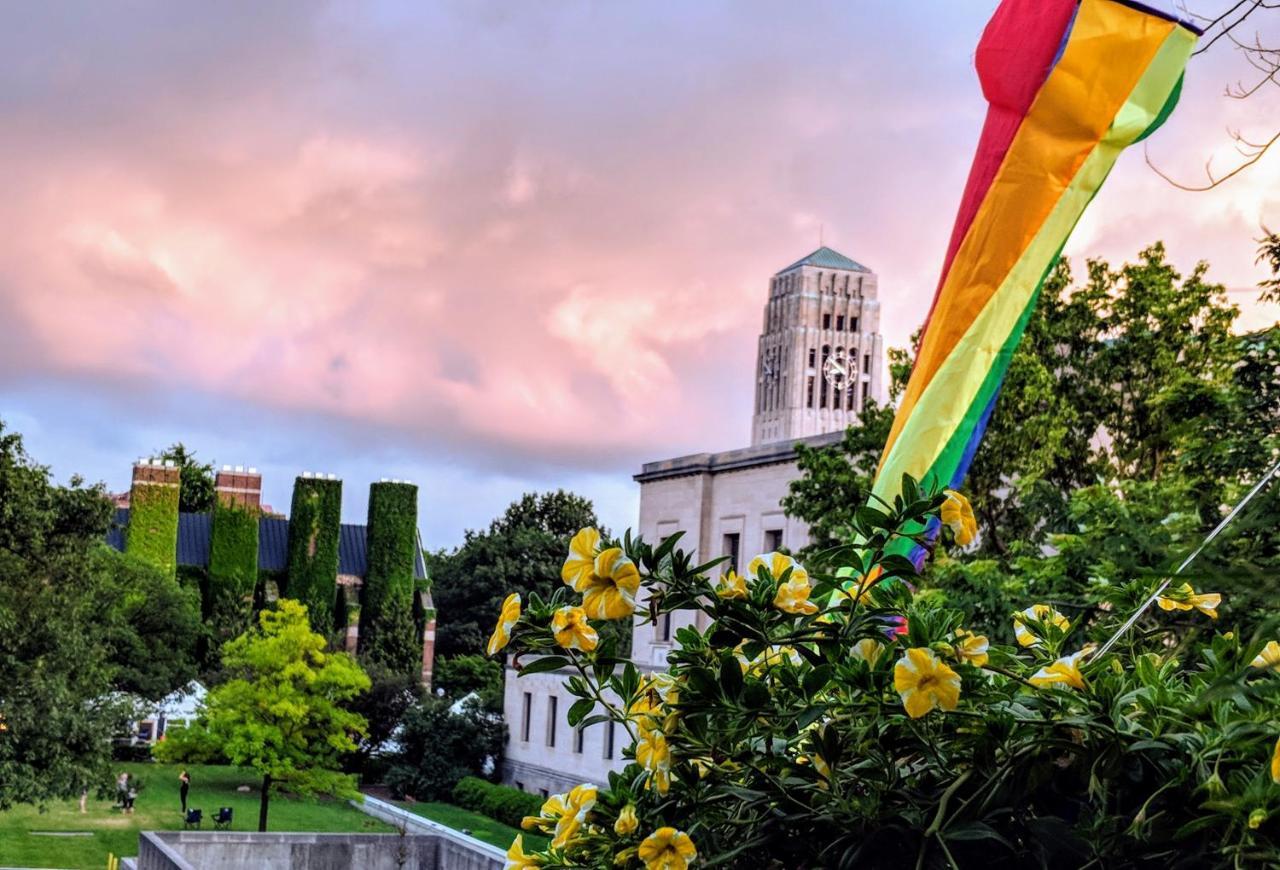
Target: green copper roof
828 259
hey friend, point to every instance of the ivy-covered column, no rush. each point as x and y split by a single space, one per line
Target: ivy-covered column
314 521
153 514
233 569
387 631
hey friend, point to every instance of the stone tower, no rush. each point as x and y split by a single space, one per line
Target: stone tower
820 353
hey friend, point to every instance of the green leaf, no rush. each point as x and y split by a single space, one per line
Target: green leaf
580 710
543 665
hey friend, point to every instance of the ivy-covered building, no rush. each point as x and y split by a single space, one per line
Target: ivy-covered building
365 585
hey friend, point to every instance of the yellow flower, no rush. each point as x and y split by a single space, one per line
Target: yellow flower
610 592
868 650
924 681
579 566
654 755
553 808
1269 658
502 631
731 585
1065 670
957 513
569 624
1185 598
971 648
793 595
517 859
1040 613
627 821
1275 763
578 802
667 849
1256 818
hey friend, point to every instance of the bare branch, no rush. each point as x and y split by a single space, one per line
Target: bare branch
1257 152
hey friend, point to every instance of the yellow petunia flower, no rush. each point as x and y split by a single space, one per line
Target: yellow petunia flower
627 821
1040 613
611 589
869 650
667 849
506 621
925 681
553 808
957 514
971 648
572 631
1275 763
1186 598
1064 671
654 755
731 585
518 860
1269 658
579 566
793 595
578 802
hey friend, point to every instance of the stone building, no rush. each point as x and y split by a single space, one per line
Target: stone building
820 360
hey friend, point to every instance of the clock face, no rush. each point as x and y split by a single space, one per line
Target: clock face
836 370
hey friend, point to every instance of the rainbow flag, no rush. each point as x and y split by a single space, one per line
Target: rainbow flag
1070 85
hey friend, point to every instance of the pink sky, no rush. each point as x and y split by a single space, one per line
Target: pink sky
498 235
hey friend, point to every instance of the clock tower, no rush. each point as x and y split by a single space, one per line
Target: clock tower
820 355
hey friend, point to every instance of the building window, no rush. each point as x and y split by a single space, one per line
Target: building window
545 794
850 397
826 321
579 734
608 740
664 627
866 385
813 357
519 785
551 720
731 542
839 323
526 715
822 398
772 540
809 400
866 363
853 324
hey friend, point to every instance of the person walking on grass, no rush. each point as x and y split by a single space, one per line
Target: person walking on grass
185 779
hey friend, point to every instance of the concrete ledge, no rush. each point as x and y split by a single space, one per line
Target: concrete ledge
413 823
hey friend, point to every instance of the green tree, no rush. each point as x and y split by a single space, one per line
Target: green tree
441 742
459 676
284 709
197 491
521 551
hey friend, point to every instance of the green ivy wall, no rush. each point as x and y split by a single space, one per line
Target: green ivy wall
387 631
152 534
314 521
233 570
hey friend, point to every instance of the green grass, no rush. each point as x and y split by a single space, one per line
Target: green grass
158 808
481 827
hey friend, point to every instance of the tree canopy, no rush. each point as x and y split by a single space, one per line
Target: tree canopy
197 492
284 709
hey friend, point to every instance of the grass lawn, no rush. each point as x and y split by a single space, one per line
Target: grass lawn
480 827
158 808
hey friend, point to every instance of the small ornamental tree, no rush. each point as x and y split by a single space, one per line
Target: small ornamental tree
832 718
282 711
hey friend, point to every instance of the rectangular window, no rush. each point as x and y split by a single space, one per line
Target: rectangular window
579 735
608 740
866 386
809 399
826 321
813 357
731 543
664 627
839 323
850 397
853 324
866 363
545 794
772 540
526 715
551 720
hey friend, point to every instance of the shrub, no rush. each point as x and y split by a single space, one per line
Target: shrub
498 802
836 719
440 745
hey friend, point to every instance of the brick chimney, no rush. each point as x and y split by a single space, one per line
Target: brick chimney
239 487
164 472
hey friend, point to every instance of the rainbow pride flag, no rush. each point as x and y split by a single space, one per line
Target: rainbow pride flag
1070 85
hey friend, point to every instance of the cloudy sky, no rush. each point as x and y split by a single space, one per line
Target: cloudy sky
492 247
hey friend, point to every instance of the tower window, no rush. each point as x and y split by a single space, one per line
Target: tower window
850 396
865 387
809 399
866 363
839 323
813 357
826 321
853 324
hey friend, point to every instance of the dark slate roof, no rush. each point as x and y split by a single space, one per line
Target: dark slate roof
273 543
827 259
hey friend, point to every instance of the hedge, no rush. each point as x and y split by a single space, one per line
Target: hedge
153 525
233 570
387 631
499 802
315 518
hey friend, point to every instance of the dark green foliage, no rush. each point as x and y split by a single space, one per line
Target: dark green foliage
391 695
499 802
56 610
387 631
315 519
459 676
233 571
521 551
197 479
440 747
153 525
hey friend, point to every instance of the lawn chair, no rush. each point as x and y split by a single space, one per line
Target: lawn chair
193 819
222 821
